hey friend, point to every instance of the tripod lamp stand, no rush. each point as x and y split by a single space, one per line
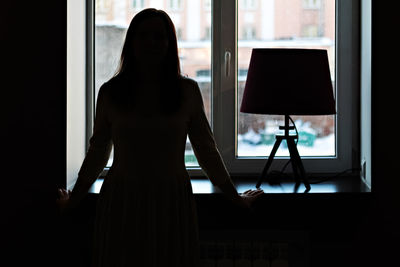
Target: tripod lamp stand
283 81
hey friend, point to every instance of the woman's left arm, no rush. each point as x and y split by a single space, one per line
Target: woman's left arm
209 157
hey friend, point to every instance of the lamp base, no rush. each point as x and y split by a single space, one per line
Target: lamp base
297 165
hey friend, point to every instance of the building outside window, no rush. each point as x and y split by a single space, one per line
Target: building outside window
207 5
175 4
312 4
248 4
310 31
207 34
137 4
249 33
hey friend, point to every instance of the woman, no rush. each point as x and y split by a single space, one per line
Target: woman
146 215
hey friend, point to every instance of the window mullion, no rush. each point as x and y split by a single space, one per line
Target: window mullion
90 48
225 68
216 73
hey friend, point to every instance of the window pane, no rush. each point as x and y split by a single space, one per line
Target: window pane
192 20
284 24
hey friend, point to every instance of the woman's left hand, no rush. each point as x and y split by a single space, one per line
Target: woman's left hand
63 200
249 196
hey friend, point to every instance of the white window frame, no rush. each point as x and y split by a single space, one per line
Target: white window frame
80 93
224 85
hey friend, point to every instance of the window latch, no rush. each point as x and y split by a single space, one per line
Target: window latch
227 63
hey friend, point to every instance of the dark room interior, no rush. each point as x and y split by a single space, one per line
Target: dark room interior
341 229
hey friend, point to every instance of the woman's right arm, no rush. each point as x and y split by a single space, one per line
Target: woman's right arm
99 150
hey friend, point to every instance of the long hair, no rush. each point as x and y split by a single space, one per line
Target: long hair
171 74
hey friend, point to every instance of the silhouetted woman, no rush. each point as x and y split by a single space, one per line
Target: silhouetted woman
146 215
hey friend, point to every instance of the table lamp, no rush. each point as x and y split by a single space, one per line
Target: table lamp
284 81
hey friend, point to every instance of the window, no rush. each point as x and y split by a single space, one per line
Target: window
179 33
248 4
326 143
102 7
207 35
175 4
256 133
242 75
137 4
310 31
203 73
313 4
249 33
219 65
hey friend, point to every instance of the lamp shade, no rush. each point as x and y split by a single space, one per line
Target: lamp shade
288 82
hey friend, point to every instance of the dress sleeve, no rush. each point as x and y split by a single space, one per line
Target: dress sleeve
99 146
203 142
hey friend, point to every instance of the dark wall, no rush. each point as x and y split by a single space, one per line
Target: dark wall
33 127
381 234
385 77
33 134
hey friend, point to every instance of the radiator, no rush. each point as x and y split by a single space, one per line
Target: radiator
244 254
257 249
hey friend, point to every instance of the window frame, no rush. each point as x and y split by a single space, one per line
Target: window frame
347 93
224 87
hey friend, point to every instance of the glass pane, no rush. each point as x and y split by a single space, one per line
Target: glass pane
192 20
284 24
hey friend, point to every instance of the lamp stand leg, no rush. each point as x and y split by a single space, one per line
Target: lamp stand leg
297 165
269 161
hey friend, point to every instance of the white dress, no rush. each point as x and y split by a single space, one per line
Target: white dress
146 214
